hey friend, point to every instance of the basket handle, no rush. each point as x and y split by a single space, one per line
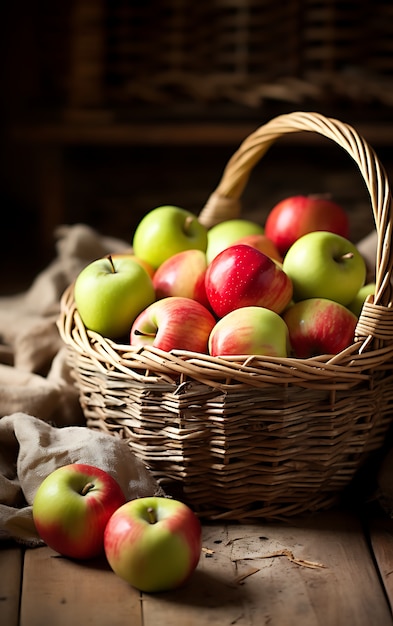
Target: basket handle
224 202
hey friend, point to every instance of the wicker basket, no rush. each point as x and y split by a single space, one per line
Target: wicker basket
251 437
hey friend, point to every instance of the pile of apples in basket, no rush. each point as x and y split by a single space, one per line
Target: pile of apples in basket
293 286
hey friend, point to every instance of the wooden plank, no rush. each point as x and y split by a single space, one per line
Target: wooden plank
318 571
330 581
61 592
11 558
381 537
210 597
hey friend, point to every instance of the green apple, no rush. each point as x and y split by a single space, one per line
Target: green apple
226 233
110 292
357 303
322 264
165 231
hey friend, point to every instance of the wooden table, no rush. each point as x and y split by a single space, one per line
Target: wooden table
328 569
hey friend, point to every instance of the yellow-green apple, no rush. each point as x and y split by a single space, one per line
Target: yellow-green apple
264 244
242 276
325 265
153 543
357 303
72 506
109 294
227 233
166 230
146 266
296 216
173 323
250 330
319 326
183 274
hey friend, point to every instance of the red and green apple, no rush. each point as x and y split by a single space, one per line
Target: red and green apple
72 506
173 323
250 330
153 543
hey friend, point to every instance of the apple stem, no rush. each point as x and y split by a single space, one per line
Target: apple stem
140 332
88 487
109 257
151 515
187 223
348 255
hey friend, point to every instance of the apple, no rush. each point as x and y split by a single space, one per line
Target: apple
183 274
146 266
72 506
153 543
296 216
173 323
319 326
242 276
325 265
226 233
166 230
356 304
110 292
264 244
250 330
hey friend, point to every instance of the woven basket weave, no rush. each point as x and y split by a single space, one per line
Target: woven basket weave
253 437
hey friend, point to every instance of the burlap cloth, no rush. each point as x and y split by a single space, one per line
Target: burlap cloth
41 422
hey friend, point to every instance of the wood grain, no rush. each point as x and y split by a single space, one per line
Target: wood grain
10 577
317 571
61 592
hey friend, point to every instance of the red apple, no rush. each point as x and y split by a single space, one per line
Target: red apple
242 276
183 274
250 330
298 215
72 507
263 243
173 323
153 543
319 326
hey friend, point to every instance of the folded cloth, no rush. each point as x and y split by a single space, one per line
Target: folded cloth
30 449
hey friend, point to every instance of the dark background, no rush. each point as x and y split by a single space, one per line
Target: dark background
111 108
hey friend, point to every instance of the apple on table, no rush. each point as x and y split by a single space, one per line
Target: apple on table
72 506
296 216
322 264
242 276
153 543
319 326
173 323
110 292
166 230
250 330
